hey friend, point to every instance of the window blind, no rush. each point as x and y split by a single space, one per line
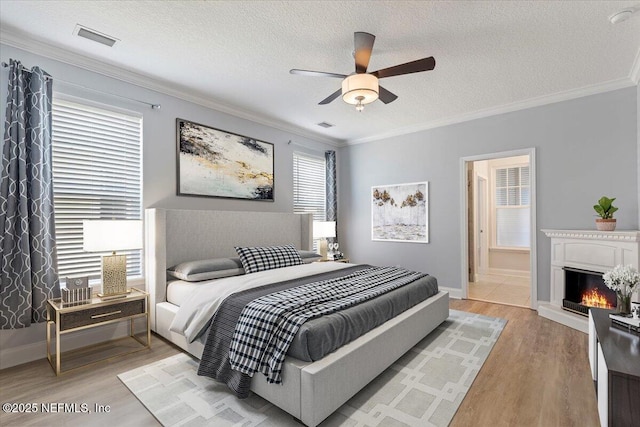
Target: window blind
97 174
512 207
513 227
309 178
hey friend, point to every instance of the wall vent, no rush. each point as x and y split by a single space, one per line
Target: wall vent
94 35
325 125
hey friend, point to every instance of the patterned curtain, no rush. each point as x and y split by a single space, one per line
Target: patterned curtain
27 239
331 190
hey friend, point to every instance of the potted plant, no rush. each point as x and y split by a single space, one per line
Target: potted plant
605 210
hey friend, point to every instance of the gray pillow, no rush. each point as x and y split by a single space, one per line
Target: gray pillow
206 269
309 256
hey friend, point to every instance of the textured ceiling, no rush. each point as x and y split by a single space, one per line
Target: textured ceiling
490 56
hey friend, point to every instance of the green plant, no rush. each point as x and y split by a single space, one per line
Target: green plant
605 207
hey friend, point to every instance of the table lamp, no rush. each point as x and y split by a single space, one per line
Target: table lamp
321 231
112 236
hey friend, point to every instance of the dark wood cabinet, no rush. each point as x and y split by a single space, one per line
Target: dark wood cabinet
614 356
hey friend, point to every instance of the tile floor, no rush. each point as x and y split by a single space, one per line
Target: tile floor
508 290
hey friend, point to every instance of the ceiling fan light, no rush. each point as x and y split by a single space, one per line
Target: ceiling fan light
360 89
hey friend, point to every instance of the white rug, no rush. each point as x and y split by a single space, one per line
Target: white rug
423 388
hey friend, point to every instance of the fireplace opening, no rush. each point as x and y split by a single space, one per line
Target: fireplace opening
584 289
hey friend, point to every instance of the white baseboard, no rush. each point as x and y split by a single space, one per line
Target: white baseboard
22 354
505 272
18 355
455 293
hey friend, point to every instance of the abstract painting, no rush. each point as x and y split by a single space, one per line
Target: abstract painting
216 163
400 212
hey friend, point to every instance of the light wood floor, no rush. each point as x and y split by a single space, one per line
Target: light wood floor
536 375
508 290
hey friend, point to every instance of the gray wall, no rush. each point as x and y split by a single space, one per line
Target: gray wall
585 148
159 140
159 148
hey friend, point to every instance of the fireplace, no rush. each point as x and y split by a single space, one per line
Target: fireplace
584 289
589 250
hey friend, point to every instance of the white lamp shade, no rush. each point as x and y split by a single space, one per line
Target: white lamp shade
324 229
360 88
111 235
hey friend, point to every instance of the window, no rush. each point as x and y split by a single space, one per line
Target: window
512 194
96 175
309 178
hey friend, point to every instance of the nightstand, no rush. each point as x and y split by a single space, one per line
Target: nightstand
346 260
69 318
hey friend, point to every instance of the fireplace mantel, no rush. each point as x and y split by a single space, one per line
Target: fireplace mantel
626 236
591 250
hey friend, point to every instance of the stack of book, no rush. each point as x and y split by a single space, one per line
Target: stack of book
627 323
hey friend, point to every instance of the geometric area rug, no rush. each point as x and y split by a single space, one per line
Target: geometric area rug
424 387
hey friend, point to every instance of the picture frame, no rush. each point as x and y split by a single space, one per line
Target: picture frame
400 212
77 282
216 163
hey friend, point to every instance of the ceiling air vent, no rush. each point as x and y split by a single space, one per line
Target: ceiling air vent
94 35
325 125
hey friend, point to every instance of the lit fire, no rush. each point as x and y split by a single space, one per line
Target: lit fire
593 298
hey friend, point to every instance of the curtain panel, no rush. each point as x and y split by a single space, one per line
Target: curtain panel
331 192
27 240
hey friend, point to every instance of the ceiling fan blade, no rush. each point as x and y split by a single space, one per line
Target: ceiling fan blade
331 97
363 43
386 96
424 64
316 73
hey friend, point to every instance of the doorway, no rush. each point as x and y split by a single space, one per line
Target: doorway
498 197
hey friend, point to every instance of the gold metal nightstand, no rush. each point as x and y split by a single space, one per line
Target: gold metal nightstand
71 317
346 260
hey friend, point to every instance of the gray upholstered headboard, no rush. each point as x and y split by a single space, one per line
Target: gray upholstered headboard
176 235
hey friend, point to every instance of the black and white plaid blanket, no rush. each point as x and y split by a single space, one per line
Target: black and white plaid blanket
267 325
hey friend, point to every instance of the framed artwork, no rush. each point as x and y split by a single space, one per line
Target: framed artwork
400 212
215 163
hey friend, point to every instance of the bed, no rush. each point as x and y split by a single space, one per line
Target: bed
310 391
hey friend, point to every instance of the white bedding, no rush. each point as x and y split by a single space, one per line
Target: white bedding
179 291
204 297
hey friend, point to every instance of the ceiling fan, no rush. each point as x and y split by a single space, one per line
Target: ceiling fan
361 88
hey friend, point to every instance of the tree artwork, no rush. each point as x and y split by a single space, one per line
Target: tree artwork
405 220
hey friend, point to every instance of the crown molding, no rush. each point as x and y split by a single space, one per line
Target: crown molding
78 60
502 109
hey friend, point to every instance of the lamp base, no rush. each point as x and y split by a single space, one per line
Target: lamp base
322 248
114 275
106 297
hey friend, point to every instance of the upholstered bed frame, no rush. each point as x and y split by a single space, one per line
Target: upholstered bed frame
310 391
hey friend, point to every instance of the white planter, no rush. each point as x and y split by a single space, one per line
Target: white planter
605 224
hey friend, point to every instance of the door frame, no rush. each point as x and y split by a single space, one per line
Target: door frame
482 256
464 219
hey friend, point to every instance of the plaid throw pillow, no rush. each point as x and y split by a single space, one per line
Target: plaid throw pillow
256 259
